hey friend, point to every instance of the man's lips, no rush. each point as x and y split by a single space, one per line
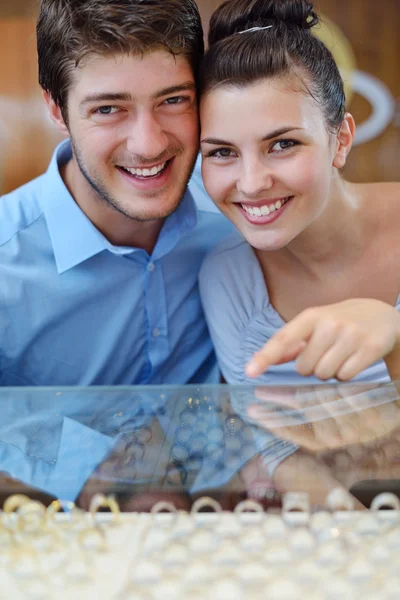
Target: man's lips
147 181
146 172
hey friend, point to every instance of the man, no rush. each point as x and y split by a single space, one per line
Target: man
99 256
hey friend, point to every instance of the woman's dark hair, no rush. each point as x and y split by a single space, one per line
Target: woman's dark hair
285 49
68 30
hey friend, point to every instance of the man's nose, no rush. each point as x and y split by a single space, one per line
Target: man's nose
147 137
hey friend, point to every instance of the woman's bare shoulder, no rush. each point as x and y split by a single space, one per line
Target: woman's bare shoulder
380 204
387 189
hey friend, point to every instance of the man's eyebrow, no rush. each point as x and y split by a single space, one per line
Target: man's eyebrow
107 97
269 136
187 86
126 97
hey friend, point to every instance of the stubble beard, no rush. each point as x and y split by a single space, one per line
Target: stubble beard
101 192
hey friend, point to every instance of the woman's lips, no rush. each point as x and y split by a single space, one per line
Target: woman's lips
264 219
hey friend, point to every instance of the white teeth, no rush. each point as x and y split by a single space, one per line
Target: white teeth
263 211
146 172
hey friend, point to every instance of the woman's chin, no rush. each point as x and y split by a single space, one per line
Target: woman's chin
264 242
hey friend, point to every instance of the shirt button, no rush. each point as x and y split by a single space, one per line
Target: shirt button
150 267
156 332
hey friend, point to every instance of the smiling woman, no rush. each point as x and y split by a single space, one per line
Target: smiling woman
315 269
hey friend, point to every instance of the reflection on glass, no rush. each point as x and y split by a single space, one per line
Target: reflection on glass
338 444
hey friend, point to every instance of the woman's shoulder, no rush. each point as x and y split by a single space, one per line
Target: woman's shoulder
232 244
232 255
390 190
230 274
380 204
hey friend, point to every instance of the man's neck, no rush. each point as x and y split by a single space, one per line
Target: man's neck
116 227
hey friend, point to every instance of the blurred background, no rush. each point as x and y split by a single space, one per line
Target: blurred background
363 35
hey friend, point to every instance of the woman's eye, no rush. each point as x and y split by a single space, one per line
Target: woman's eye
222 153
283 145
107 110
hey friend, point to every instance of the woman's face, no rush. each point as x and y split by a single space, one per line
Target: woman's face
267 159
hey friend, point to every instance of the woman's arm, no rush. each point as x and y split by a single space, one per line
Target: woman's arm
338 340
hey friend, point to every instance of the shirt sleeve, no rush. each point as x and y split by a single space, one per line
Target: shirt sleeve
228 306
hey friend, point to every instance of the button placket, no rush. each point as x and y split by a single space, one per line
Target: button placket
156 309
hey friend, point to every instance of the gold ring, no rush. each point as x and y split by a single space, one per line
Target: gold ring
102 501
15 501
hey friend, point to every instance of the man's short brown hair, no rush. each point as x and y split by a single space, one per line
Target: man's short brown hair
68 30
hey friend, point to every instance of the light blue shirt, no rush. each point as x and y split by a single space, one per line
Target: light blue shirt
76 310
242 319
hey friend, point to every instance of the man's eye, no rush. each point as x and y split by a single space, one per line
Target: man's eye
283 145
107 110
176 100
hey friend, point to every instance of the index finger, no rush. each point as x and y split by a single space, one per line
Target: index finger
285 345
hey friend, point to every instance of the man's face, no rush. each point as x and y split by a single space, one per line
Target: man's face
133 125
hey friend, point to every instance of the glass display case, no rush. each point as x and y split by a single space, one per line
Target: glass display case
209 492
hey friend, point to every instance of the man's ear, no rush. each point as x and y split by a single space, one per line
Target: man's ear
344 141
55 113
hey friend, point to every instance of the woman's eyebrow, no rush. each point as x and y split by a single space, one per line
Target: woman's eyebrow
269 136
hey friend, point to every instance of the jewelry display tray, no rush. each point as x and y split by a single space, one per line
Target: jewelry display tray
128 448
220 556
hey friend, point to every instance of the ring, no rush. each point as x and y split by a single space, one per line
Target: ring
15 501
163 506
385 500
165 513
206 502
75 516
295 501
102 501
248 506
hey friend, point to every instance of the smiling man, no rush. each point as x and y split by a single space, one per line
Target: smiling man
99 256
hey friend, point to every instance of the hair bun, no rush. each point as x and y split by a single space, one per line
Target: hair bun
238 15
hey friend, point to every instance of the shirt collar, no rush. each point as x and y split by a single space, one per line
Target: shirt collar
75 238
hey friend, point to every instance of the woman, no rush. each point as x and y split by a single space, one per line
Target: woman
314 267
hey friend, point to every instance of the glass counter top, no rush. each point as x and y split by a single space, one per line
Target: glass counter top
180 443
